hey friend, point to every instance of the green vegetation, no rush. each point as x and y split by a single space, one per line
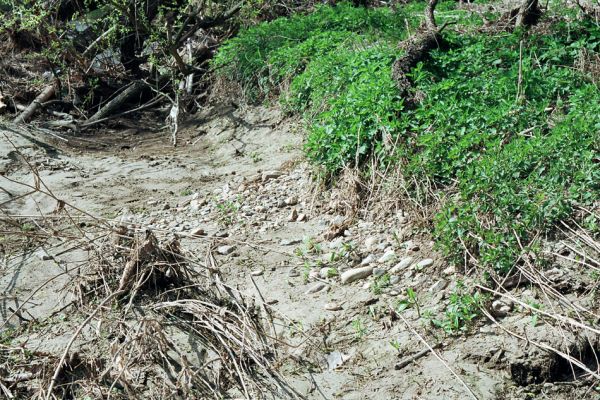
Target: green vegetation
507 125
462 310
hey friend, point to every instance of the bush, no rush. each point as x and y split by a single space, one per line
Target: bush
518 156
263 56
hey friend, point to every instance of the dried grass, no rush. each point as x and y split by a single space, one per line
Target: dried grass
148 320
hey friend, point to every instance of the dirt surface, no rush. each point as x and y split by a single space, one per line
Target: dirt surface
237 184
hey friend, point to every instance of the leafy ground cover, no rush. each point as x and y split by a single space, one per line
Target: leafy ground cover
508 125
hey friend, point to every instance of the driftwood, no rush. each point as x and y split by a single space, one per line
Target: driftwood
115 104
44 96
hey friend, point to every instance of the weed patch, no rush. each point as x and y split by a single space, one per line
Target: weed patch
508 126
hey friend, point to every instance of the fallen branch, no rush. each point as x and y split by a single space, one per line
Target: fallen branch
46 95
410 359
115 104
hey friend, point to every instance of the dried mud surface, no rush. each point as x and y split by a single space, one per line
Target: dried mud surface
239 178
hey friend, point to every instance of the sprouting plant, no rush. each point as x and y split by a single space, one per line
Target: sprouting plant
379 283
227 210
186 192
395 344
462 309
359 328
296 327
256 157
306 273
27 227
410 301
534 314
331 272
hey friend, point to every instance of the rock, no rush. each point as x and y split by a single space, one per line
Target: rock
291 201
387 257
439 286
370 243
394 279
377 272
293 273
197 232
43 255
313 274
403 264
324 272
451 270
411 246
355 274
293 215
333 306
368 260
225 250
424 263
500 309
301 217
280 204
196 204
316 288
289 242
258 272
267 175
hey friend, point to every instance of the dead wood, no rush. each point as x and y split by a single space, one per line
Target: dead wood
416 49
115 104
44 96
528 14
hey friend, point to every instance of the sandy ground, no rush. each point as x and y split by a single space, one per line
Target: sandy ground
239 176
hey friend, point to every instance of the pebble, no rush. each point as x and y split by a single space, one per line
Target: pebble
293 273
387 257
301 217
403 264
333 306
316 288
258 272
368 260
293 215
500 309
270 175
197 232
43 255
289 242
291 201
394 279
424 263
195 205
370 242
411 246
451 270
225 250
324 272
439 285
377 272
355 274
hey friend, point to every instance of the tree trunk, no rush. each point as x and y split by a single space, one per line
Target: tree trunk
528 14
416 49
